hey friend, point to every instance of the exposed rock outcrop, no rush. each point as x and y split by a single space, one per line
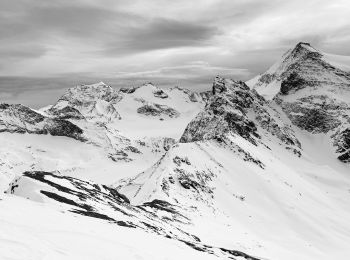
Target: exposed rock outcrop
157 110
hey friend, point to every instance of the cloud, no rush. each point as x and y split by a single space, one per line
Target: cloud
39 92
47 46
22 51
163 33
194 69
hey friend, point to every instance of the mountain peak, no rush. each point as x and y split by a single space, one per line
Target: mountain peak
303 44
312 91
100 86
302 50
89 92
301 64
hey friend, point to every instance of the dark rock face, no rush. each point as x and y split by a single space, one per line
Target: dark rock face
342 144
234 108
59 127
313 117
187 182
178 160
219 85
197 182
21 119
293 82
160 94
128 90
193 97
205 95
67 112
157 110
168 143
267 78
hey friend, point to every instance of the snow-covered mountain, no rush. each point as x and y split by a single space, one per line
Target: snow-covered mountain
254 170
314 93
241 165
21 119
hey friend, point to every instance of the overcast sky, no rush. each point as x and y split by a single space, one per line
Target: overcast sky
47 46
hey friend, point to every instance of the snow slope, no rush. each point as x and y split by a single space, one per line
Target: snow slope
279 212
33 237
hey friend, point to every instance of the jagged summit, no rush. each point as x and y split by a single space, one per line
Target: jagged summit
235 109
304 45
222 84
88 93
92 102
301 50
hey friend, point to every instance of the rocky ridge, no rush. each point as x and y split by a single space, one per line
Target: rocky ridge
21 119
234 108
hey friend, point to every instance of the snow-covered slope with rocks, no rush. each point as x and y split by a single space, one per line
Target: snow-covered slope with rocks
92 200
241 177
117 133
152 173
313 92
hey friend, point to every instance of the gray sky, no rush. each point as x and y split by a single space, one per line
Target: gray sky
47 46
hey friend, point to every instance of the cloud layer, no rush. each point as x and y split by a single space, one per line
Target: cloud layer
47 45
